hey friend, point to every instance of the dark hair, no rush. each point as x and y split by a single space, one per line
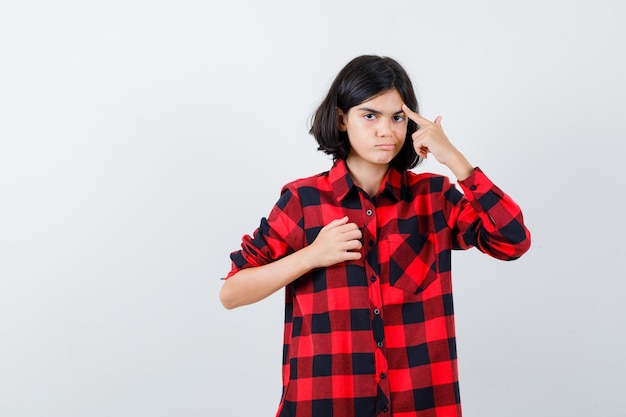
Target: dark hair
363 78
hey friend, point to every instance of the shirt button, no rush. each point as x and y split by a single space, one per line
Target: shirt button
371 243
383 375
376 311
368 212
385 409
379 344
473 188
373 279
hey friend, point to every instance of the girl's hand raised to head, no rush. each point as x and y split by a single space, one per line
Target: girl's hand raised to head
338 241
430 138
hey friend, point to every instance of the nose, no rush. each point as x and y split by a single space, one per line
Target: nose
384 127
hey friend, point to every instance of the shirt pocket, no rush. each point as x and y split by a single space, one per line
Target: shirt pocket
412 261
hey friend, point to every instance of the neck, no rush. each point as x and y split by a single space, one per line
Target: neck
367 176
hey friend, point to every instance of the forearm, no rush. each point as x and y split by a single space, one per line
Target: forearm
254 284
460 166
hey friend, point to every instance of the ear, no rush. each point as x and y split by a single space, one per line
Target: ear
341 120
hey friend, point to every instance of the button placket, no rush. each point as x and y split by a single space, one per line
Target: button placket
372 267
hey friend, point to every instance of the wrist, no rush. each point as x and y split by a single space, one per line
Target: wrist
307 259
460 166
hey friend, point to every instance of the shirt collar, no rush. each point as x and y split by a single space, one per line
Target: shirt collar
342 183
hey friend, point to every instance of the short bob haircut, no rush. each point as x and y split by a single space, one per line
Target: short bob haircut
362 79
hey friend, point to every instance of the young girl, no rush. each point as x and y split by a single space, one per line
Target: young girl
363 252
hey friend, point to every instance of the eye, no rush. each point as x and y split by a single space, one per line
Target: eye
369 116
399 118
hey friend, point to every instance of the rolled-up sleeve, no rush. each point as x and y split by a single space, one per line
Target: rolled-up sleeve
278 235
489 219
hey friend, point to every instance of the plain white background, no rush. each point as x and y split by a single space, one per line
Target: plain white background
140 140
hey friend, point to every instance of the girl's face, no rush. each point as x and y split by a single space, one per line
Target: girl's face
376 130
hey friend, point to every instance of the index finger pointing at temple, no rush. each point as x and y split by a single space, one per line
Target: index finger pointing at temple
414 116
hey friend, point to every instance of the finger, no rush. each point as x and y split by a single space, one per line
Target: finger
420 148
347 228
351 246
414 116
336 223
351 256
350 232
352 226
354 236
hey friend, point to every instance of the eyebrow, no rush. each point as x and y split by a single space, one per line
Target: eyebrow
376 111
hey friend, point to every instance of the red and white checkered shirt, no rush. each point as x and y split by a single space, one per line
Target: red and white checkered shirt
376 337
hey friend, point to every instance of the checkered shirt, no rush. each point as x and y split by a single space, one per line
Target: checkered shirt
376 336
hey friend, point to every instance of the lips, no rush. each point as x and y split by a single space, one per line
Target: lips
386 146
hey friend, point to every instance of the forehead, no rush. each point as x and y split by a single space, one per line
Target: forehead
388 102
